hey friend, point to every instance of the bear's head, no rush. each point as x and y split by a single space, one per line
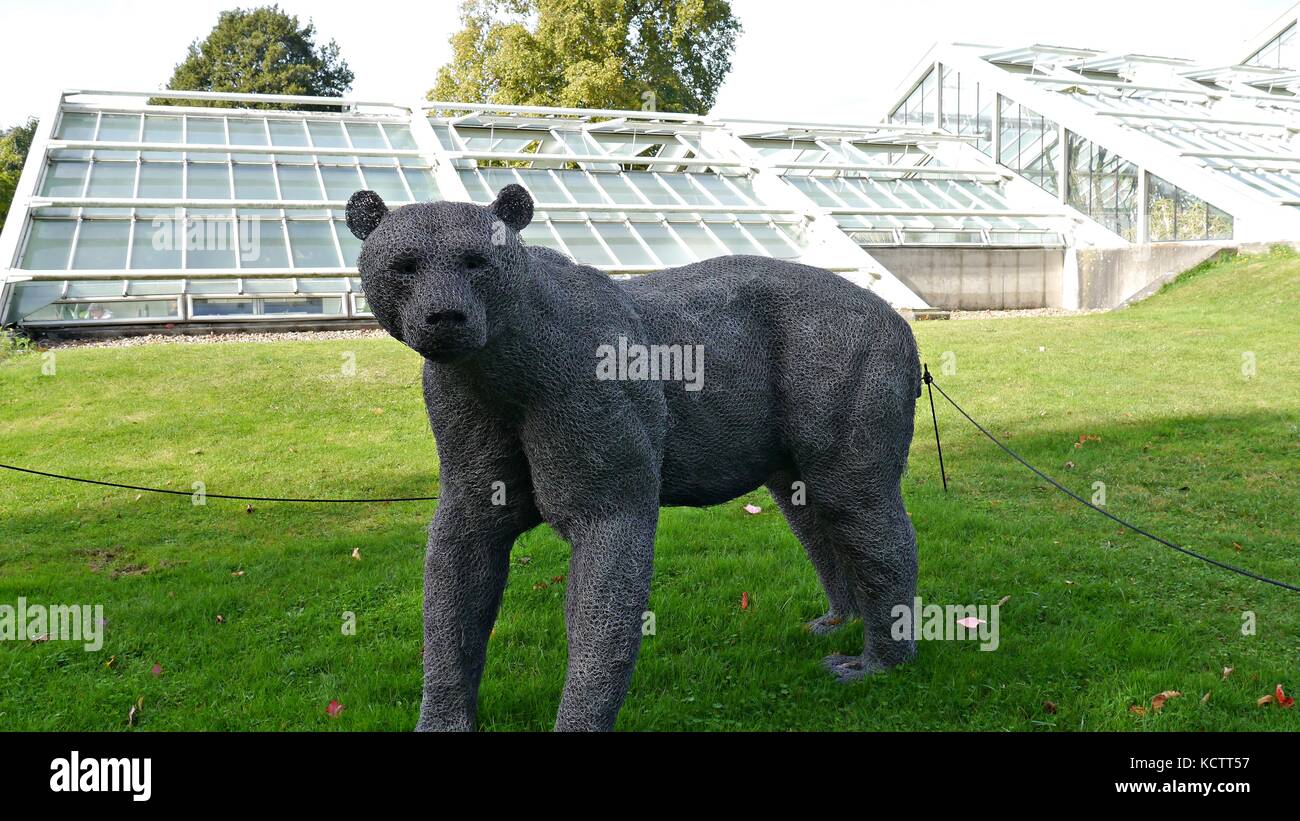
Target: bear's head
439 275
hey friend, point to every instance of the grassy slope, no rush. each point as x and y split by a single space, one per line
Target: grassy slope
1098 619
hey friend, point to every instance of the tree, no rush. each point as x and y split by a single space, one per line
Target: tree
14 145
670 55
263 51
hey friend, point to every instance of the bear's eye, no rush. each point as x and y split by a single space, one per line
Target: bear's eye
473 260
405 265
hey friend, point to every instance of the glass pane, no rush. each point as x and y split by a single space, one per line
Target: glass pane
399 136
210 243
366 135
302 305
160 180
205 130
772 241
208 181
582 244
119 128
313 244
348 242
162 129
247 131
77 125
154 287
422 184
341 181
48 244
734 238
254 182
101 244
298 182
223 307
268 286
625 247
288 132
662 243
327 135
156 244
386 183
261 243
65 178
214 286
112 179
701 244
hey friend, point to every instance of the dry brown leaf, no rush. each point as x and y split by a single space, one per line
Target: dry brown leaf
1049 707
1227 671
1205 699
1137 710
1003 600
1158 700
356 553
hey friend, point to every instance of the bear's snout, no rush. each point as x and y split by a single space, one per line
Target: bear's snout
448 318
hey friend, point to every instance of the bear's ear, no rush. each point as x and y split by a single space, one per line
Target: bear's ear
365 210
514 206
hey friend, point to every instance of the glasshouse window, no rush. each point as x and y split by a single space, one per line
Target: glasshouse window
1103 185
1175 214
1031 145
968 109
919 108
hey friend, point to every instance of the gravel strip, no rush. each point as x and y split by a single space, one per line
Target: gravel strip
210 339
1023 313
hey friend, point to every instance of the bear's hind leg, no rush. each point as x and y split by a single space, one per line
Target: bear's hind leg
802 518
879 545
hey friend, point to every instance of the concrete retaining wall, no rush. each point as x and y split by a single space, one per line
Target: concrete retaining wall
979 279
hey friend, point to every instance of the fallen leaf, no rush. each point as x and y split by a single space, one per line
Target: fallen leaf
744 601
1205 699
1158 700
753 509
1137 710
334 708
557 579
248 509
156 670
221 619
110 662
130 717
1069 465
524 559
139 496
1049 707
1003 600
970 622
1236 546
43 637
540 586
1264 701
356 553
237 573
1227 671
1282 699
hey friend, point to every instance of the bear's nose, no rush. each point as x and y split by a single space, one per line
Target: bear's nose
446 318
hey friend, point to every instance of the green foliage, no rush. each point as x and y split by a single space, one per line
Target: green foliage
14 343
669 55
263 51
14 145
1098 618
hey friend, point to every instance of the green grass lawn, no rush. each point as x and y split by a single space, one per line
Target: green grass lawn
1098 619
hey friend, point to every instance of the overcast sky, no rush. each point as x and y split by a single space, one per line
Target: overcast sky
797 60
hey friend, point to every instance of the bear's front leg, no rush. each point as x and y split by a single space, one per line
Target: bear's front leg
609 588
465 570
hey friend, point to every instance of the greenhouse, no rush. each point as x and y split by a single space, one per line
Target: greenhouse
993 171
